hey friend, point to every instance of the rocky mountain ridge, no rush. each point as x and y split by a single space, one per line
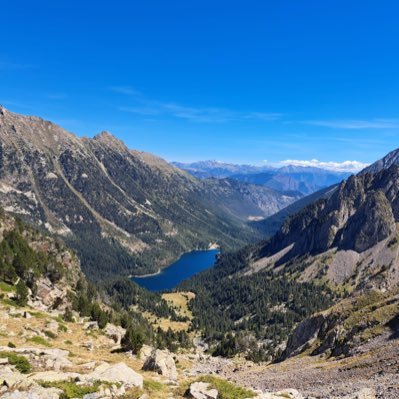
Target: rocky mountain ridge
135 209
305 180
357 224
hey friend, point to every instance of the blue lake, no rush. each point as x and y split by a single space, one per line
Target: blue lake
189 264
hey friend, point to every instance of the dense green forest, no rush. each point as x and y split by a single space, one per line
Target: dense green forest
236 312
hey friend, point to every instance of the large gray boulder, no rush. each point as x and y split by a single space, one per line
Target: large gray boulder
284 394
114 332
34 392
162 363
202 390
116 373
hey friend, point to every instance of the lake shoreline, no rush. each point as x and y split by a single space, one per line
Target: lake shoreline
159 271
189 264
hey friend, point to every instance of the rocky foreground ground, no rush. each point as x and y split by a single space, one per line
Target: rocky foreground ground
373 371
76 359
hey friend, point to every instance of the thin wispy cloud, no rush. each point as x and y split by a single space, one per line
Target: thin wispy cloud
345 166
356 124
126 90
195 114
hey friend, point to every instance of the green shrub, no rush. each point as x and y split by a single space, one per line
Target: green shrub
70 389
11 345
226 389
133 340
21 294
20 362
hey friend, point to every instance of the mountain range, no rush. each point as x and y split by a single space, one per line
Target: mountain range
312 286
344 244
123 210
305 180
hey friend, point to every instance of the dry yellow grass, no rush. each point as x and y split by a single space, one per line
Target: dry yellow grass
13 329
179 301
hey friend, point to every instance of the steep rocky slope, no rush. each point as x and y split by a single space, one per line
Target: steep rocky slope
123 211
272 224
336 249
349 238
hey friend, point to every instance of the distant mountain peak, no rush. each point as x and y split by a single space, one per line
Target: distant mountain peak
110 140
390 159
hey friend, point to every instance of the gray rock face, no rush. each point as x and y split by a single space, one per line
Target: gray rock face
361 212
114 332
202 390
83 188
116 373
161 362
304 335
35 392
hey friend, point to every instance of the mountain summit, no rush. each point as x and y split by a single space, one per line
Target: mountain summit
124 211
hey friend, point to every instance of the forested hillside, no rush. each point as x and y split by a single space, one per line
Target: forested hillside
124 211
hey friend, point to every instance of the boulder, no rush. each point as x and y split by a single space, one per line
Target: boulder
49 295
288 394
114 332
284 394
90 325
145 352
10 377
202 390
116 373
161 362
54 359
34 392
53 376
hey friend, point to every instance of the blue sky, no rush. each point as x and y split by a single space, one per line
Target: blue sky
241 81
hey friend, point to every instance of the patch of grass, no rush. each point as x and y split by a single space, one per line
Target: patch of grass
226 389
71 389
38 315
58 319
11 345
151 385
40 341
9 302
6 287
20 362
68 342
62 327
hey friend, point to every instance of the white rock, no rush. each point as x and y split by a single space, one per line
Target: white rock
53 376
202 390
161 362
114 332
34 392
116 373
10 377
146 352
90 325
